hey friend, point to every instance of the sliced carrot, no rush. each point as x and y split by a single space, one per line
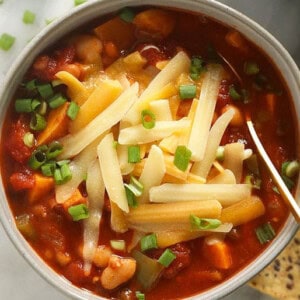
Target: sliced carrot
157 22
57 125
116 31
219 254
42 186
236 40
75 199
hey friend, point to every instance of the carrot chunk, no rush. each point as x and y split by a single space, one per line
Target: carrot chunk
117 31
219 254
42 186
57 125
75 199
236 40
271 102
157 22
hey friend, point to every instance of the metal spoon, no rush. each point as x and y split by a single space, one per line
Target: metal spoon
284 191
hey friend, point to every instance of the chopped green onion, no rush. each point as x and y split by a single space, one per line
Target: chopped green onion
290 168
28 139
28 17
196 67
139 295
78 212
58 177
35 104
288 182
6 41
37 159
118 245
233 93
135 186
275 189
37 122
30 85
127 14
187 91
56 101
253 181
251 68
204 224
62 162
48 168
54 149
78 2
182 157
167 258
43 148
73 110
149 242
134 155
265 233
131 199
148 119
23 105
220 153
42 108
66 173
45 90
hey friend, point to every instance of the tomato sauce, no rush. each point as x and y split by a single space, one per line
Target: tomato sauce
58 239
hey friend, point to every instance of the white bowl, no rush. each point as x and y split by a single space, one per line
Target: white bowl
89 11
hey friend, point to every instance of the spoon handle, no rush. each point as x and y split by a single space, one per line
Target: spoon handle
284 191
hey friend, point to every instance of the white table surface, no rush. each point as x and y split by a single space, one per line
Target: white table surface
17 279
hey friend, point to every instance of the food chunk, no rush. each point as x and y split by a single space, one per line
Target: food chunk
118 271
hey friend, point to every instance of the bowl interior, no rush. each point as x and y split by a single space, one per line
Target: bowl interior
92 10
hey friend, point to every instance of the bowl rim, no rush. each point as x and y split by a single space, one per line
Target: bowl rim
64 25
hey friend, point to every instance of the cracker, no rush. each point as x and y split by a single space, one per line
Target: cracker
281 278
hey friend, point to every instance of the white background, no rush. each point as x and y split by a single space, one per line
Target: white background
17 279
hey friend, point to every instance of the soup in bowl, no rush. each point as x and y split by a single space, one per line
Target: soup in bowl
127 164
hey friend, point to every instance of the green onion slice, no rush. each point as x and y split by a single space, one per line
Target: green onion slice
73 110
203 223
28 139
134 155
62 162
23 105
56 101
48 168
42 109
45 90
265 233
253 181
148 119
182 157
54 149
234 94
139 295
196 67
290 168
118 245
78 212
58 177
135 186
37 159
6 41
149 242
127 14
78 2
288 182
131 199
167 258
30 85
187 91
251 68
66 173
28 17
37 122
35 104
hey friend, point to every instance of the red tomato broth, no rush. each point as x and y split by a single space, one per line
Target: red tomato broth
54 232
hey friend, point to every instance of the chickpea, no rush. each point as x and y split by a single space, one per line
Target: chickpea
88 48
118 271
102 256
238 118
